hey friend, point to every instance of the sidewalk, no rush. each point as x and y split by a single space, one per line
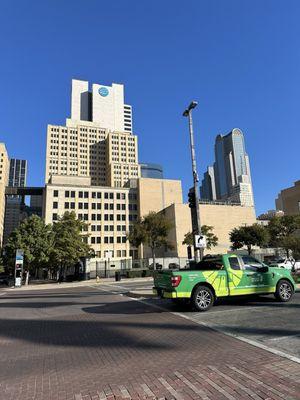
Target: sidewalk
62 285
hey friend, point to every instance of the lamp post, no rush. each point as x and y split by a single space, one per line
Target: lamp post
197 227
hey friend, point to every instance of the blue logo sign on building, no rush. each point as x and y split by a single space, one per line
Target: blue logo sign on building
103 91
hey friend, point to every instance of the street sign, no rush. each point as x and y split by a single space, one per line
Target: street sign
200 241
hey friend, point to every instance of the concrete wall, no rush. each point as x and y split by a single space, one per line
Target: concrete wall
223 218
289 200
157 194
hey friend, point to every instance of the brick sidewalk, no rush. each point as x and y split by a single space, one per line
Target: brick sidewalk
83 344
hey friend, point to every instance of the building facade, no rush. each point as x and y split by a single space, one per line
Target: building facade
101 104
107 211
154 171
288 200
17 172
229 179
222 217
4 176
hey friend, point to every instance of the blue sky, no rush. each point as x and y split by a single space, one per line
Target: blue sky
239 59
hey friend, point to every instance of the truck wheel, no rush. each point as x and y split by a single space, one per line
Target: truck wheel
203 298
284 291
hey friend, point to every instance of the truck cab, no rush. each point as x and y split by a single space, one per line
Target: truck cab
223 276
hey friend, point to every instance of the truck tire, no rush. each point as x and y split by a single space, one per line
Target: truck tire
284 291
203 298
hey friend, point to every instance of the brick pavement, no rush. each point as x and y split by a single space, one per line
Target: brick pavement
84 344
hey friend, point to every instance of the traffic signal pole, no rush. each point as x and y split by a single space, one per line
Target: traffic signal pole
197 228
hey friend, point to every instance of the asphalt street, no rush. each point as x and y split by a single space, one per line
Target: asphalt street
276 325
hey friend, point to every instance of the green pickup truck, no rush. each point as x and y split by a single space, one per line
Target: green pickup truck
223 276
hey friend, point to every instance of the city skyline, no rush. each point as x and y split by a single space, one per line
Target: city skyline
247 80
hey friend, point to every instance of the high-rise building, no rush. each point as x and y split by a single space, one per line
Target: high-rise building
4 174
17 172
154 171
102 104
229 179
97 141
15 205
288 200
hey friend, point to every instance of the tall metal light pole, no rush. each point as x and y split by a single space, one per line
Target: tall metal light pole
197 228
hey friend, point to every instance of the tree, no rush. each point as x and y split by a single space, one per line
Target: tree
248 236
35 239
206 230
152 230
68 243
283 230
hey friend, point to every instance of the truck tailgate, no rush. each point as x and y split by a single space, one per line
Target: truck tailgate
162 279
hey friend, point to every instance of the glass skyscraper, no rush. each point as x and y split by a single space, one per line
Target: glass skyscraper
229 179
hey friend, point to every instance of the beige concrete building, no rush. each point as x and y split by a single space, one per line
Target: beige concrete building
4 175
223 218
109 158
107 211
157 194
288 200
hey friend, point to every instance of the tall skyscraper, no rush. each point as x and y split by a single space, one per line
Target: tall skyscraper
229 179
103 105
97 141
154 171
15 205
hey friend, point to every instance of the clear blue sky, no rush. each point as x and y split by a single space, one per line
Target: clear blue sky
239 58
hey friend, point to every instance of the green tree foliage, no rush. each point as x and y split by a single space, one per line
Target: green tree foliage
68 244
152 230
35 239
284 231
248 236
206 230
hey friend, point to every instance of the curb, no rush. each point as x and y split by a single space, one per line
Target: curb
140 295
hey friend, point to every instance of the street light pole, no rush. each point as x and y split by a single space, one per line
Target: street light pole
188 113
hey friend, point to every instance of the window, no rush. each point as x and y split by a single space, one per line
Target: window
55 204
72 206
105 239
80 206
73 194
55 193
67 193
66 205
111 196
209 264
80 195
251 264
111 239
105 206
234 263
54 217
86 206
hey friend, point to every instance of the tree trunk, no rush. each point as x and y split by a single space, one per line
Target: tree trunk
153 257
249 249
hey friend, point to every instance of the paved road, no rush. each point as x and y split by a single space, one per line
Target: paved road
89 343
262 319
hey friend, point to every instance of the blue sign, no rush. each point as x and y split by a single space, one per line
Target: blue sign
103 91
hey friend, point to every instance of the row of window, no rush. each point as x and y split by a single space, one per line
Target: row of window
108 239
94 195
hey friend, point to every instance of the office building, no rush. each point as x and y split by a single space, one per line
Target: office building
154 171
17 172
4 175
107 211
288 200
97 141
101 104
229 179
15 208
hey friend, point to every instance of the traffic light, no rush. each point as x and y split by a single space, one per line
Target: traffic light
191 197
